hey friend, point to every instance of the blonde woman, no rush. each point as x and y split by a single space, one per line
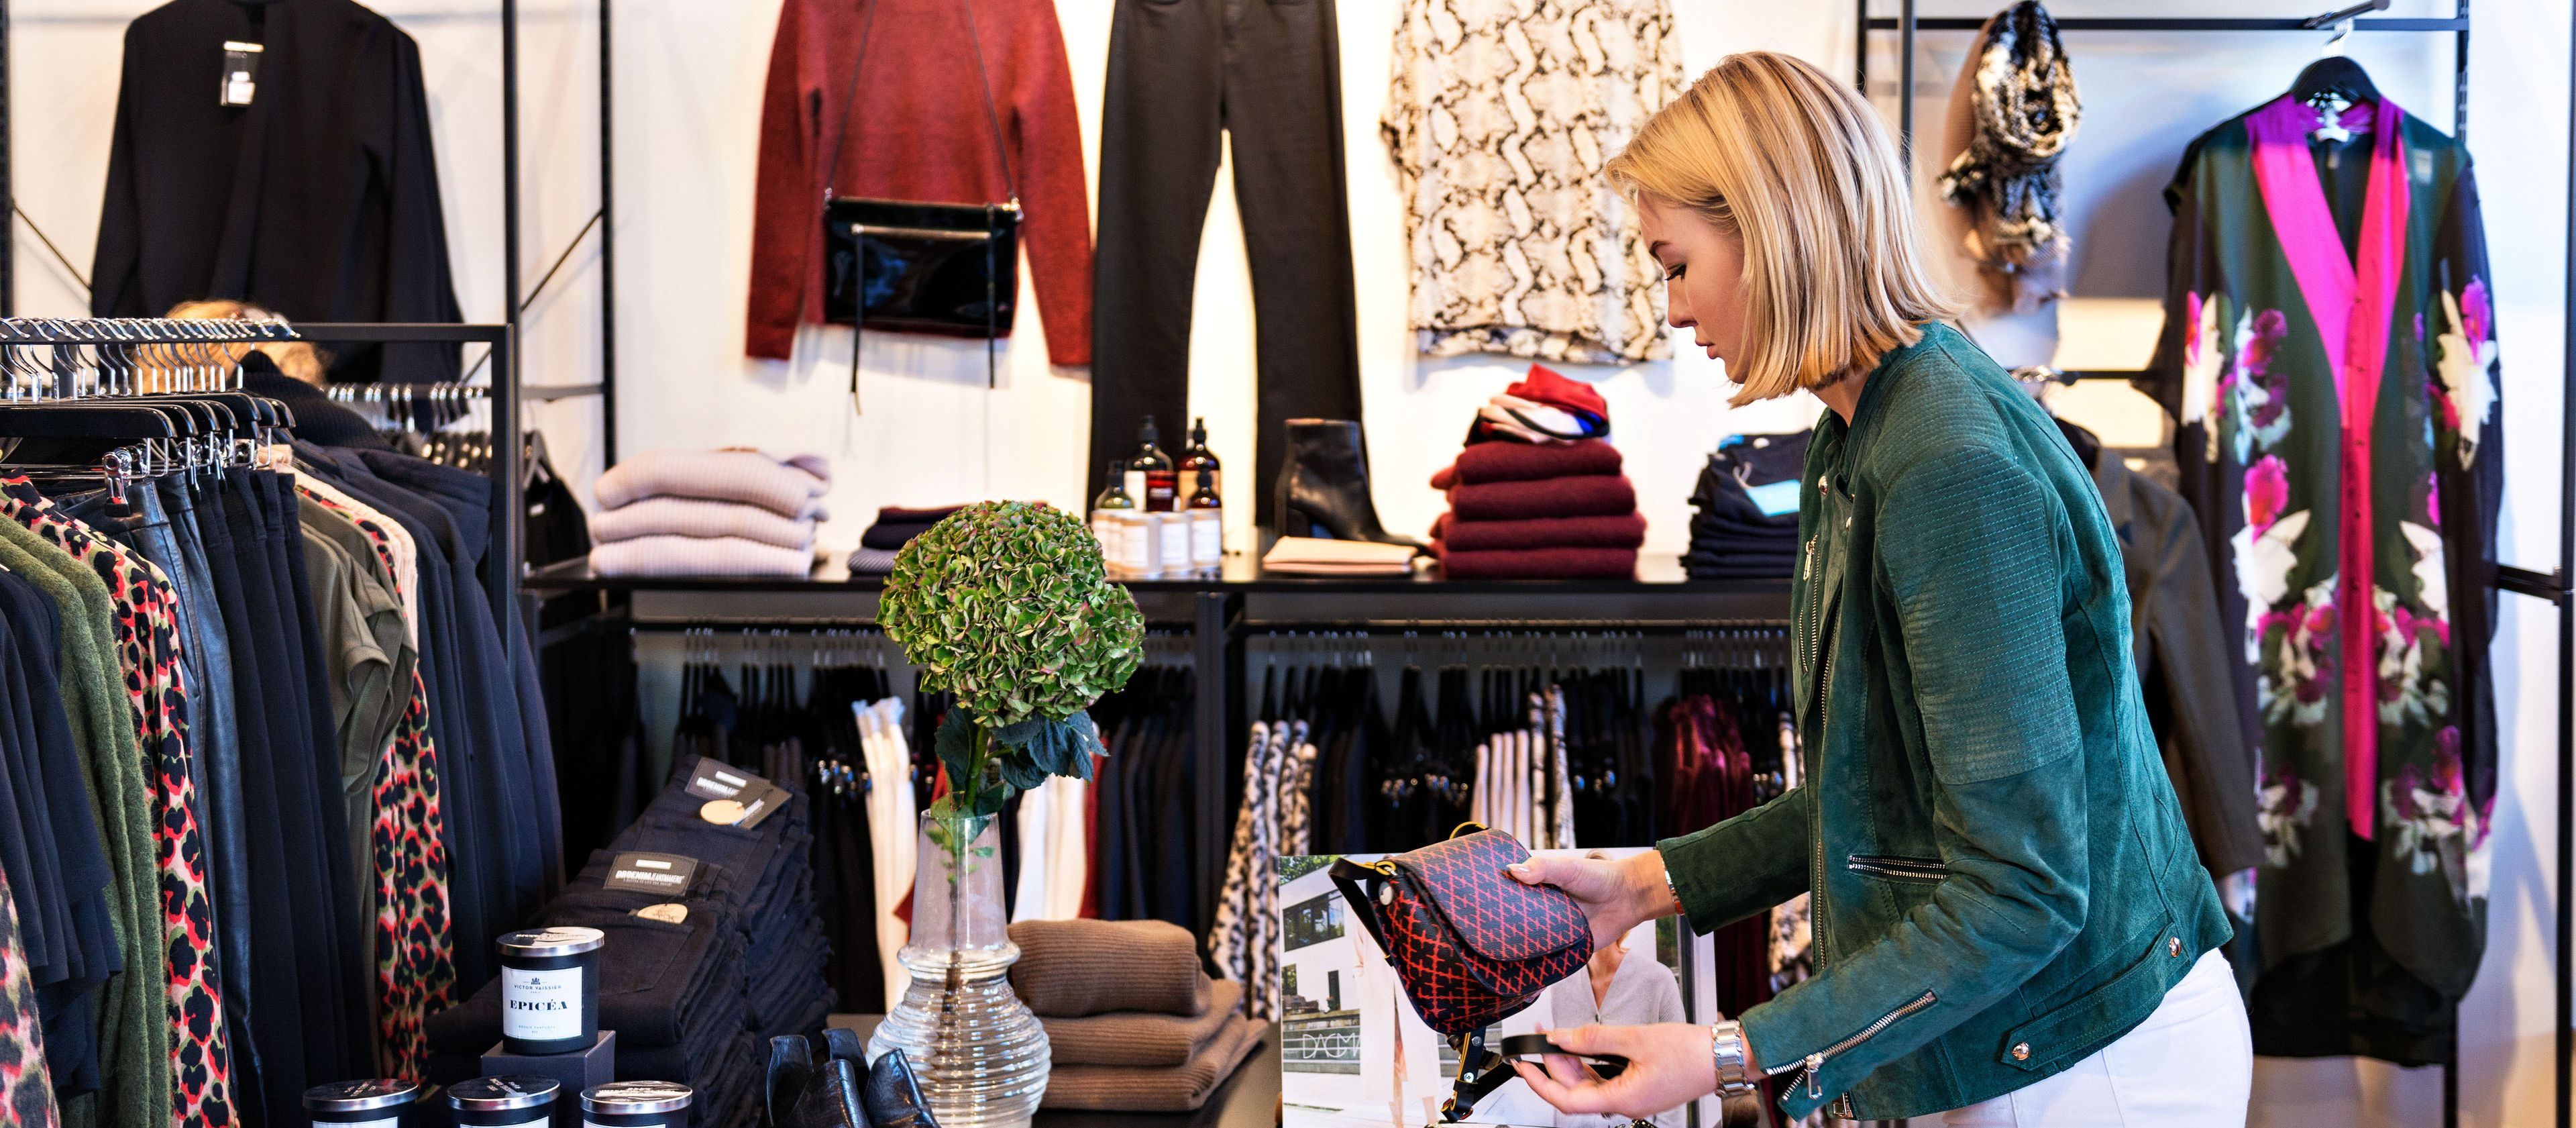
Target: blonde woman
2011 925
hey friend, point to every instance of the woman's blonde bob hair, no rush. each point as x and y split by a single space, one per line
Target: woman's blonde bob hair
1798 166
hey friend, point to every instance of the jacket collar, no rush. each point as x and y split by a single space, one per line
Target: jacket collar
1873 393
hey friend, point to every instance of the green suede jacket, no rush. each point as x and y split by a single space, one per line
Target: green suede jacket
2004 882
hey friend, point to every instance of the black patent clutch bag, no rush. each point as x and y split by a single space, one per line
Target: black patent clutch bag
949 269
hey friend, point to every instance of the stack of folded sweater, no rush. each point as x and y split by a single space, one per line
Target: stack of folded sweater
1746 525
1132 1024
693 999
729 512
895 527
1528 502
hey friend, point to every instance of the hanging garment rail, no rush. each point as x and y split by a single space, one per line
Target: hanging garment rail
516 307
502 567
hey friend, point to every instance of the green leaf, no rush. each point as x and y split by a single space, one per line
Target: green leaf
955 744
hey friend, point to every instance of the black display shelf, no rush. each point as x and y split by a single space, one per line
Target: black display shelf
1240 576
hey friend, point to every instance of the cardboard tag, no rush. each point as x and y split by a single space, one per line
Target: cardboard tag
1779 499
241 73
671 912
640 872
767 803
715 779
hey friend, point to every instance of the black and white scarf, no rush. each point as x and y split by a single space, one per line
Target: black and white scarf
2026 111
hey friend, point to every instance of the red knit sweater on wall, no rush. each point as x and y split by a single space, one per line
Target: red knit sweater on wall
918 132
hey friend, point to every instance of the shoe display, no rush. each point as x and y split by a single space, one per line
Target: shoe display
1324 484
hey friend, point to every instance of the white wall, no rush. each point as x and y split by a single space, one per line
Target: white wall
689 90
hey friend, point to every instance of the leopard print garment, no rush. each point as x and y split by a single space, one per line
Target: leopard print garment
26 1089
415 959
148 650
1499 118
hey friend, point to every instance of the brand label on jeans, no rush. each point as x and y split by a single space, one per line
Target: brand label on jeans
541 1006
1779 499
637 871
759 807
714 779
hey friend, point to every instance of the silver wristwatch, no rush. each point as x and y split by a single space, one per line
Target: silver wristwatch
1735 1073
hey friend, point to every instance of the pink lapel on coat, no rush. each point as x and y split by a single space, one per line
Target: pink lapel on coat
2351 305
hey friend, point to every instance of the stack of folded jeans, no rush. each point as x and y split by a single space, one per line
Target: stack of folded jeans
1746 526
894 528
692 1000
708 513
1132 1024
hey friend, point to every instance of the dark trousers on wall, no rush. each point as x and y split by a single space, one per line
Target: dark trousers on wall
1183 74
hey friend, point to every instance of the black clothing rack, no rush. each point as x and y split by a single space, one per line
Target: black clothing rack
515 304
2554 586
1219 615
502 565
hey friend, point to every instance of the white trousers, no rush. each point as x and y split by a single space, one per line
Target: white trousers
2189 1065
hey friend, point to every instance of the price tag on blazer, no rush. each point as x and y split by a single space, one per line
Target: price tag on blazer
715 779
637 871
241 73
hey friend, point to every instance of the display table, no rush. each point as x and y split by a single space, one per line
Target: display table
1249 1099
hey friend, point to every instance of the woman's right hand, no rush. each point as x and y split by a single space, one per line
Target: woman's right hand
1616 894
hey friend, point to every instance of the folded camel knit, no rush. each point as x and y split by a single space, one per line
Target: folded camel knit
1072 968
1183 1088
785 486
1537 563
1126 1038
1522 462
1627 530
698 556
1594 496
695 517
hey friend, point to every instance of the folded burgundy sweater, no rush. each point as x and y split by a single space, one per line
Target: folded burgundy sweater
1536 563
1521 462
898 515
1594 496
1627 530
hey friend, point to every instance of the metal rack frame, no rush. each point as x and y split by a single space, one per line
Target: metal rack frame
2553 586
514 308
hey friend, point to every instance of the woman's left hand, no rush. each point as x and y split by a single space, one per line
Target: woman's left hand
1669 1065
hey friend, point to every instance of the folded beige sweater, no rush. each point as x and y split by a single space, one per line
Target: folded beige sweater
787 486
1182 1088
697 517
1072 968
1130 1038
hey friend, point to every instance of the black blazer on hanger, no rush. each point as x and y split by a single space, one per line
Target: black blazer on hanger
318 200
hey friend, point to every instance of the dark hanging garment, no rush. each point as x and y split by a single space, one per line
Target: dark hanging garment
318 199
2329 356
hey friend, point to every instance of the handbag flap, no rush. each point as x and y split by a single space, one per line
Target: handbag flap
1495 915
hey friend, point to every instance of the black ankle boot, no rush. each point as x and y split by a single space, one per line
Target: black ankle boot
802 1096
1324 485
894 1097
791 1071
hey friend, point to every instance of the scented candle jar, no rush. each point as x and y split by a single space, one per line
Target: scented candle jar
504 1102
636 1104
550 990
375 1103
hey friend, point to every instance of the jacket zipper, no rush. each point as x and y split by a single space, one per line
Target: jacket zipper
1903 868
1824 697
1815 1062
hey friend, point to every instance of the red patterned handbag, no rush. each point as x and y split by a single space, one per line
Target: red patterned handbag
1471 944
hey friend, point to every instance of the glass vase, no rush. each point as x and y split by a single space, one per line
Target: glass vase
981 1056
